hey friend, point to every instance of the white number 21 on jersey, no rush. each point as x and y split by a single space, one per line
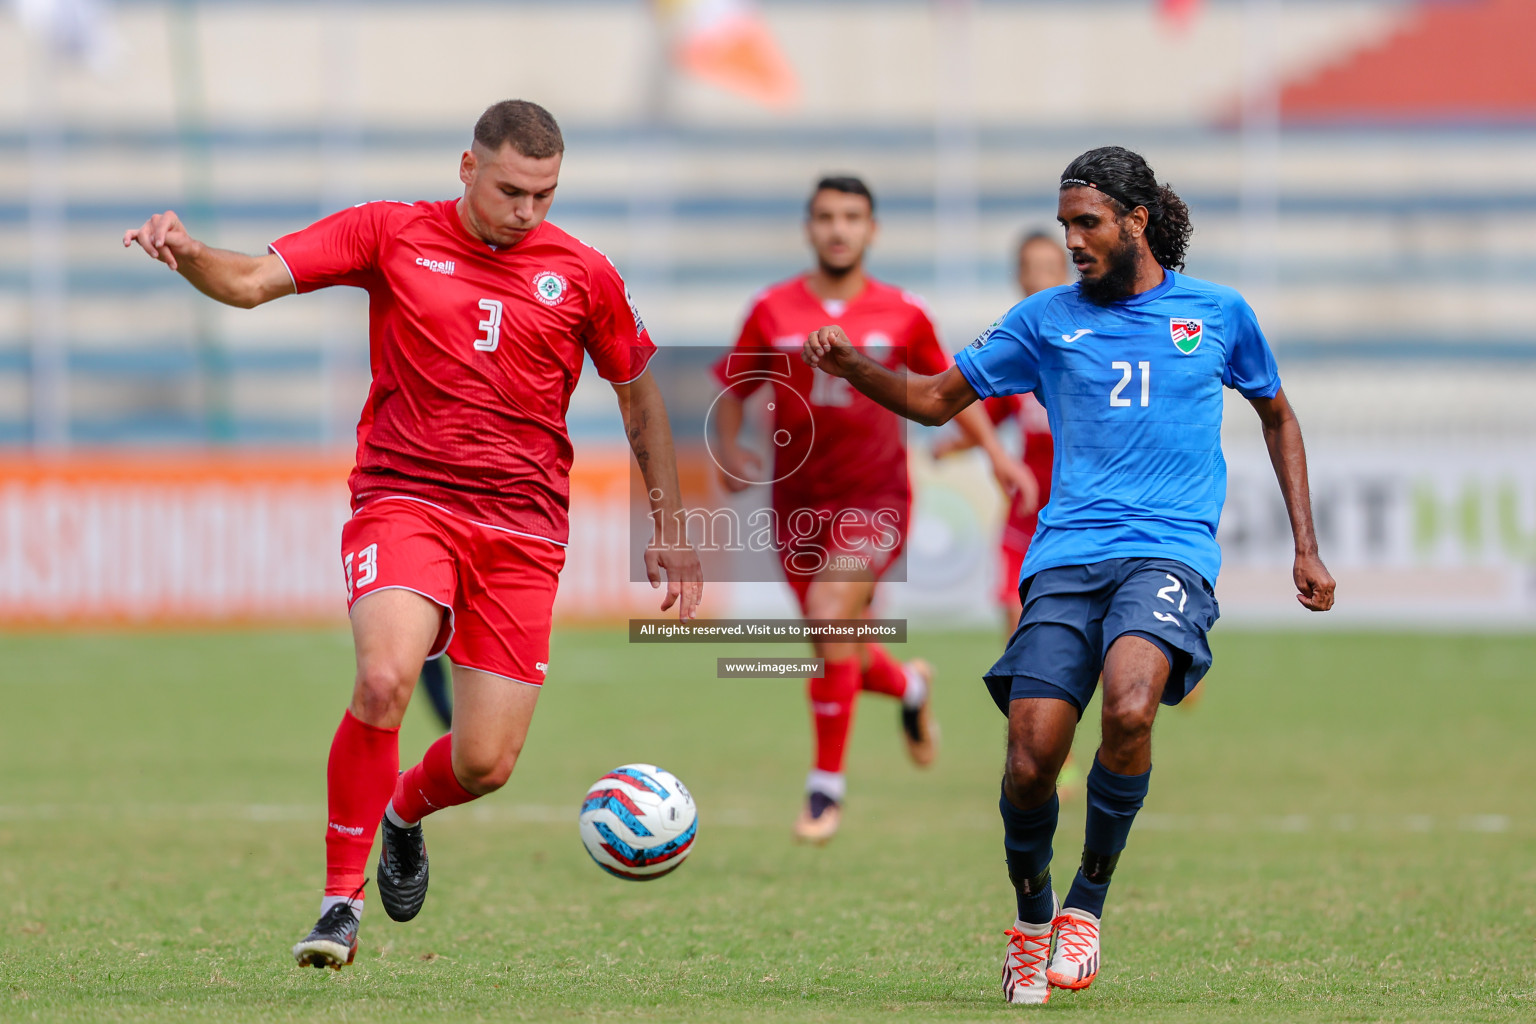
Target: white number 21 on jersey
490 327
1115 400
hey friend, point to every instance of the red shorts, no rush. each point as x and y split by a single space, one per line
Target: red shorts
1010 562
847 540
1018 531
497 588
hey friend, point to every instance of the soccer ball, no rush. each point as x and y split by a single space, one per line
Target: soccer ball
638 822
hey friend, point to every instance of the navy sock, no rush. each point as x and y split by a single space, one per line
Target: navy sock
1113 801
1027 841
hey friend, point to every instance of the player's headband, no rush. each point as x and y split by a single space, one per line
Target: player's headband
1069 182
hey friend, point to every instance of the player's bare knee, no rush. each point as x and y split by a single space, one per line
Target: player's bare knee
381 693
1128 719
836 652
1028 779
837 599
484 774
488 780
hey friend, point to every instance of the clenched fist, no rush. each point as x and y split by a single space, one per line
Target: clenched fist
829 350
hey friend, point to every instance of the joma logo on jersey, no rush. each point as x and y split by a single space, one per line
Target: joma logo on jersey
1186 334
436 266
549 287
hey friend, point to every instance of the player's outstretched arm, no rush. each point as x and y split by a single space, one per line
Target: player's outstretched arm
232 278
1015 478
931 401
738 466
650 437
1282 436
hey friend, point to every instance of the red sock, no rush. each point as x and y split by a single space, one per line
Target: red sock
359 777
431 785
885 674
832 699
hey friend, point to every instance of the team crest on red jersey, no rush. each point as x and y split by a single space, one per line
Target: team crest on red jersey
1186 334
550 287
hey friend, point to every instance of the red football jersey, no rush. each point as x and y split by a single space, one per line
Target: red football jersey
475 350
833 446
1039 452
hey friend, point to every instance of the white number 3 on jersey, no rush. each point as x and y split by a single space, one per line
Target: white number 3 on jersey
490 327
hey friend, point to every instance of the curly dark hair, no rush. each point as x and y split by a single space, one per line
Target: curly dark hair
1126 179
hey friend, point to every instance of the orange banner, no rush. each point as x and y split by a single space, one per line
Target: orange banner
230 538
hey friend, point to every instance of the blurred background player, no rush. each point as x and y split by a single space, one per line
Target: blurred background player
841 495
435 674
1131 363
1041 264
480 314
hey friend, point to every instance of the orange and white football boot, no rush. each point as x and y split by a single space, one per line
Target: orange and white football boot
1075 963
1025 960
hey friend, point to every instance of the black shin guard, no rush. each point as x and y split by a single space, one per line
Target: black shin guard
1098 868
1030 886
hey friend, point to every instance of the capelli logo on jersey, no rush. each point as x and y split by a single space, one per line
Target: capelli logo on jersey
635 312
549 287
436 266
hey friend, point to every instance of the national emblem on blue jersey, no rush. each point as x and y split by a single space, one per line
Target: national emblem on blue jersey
1186 334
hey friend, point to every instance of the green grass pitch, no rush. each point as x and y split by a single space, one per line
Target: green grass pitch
1343 829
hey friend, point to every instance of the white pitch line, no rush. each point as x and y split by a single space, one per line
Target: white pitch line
736 817
539 814
1154 821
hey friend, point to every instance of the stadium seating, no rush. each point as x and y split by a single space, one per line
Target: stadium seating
1374 252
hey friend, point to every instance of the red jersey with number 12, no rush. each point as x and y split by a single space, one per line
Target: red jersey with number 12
475 351
833 446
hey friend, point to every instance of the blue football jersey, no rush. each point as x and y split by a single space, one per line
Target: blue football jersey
1133 392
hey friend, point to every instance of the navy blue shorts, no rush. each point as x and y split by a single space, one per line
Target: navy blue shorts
1073 613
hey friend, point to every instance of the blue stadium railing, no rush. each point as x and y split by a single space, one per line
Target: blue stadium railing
172 359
